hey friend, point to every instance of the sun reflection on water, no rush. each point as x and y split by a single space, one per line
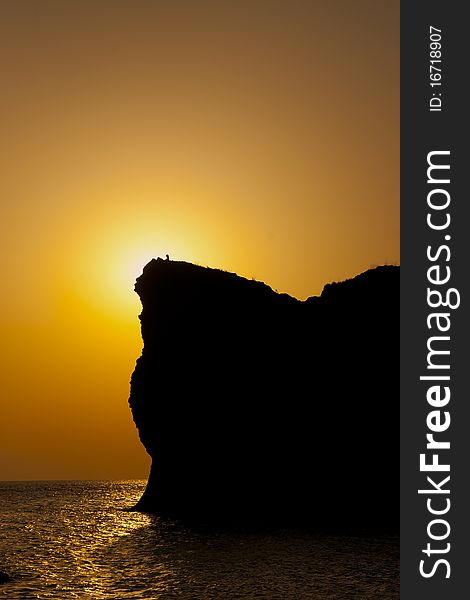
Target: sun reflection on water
64 540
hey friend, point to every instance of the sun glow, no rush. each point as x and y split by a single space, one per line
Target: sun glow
112 257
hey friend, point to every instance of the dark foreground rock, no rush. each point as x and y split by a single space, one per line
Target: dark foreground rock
255 405
4 577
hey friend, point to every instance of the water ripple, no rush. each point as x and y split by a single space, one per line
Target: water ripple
62 540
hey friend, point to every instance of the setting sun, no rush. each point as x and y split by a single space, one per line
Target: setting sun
132 134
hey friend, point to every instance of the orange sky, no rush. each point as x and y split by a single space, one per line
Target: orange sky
257 136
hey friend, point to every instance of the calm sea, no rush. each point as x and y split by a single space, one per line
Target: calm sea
71 539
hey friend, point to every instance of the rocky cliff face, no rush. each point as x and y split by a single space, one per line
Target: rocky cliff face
253 404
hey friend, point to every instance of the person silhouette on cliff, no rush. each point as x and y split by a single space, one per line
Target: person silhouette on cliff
167 257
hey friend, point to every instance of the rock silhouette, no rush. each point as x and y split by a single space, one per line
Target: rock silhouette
255 405
4 578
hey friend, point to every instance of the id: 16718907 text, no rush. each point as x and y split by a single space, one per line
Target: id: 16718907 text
435 68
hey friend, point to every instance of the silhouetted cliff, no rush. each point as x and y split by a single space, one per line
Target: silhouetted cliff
254 404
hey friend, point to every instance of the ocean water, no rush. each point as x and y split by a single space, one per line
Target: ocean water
72 539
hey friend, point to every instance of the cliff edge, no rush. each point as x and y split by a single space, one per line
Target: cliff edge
253 404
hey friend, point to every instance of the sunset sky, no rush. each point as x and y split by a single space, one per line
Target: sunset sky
257 136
